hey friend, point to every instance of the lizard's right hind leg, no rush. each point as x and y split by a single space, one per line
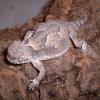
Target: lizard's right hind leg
80 43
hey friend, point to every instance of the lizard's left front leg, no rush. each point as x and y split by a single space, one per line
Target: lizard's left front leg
38 65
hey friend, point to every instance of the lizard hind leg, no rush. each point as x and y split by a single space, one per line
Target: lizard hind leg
80 43
76 41
35 82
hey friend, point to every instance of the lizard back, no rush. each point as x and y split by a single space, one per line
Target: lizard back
50 39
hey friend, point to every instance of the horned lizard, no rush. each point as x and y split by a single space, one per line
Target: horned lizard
48 40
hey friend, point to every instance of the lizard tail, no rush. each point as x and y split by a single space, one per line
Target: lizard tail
81 21
76 24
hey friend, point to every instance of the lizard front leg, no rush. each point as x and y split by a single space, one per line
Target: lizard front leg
38 65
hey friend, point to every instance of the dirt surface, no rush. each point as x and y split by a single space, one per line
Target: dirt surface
72 76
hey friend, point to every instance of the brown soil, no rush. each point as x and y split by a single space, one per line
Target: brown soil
73 76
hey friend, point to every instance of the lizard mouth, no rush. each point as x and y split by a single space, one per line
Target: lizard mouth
18 60
19 53
12 60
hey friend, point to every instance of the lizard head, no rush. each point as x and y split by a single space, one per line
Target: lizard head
18 53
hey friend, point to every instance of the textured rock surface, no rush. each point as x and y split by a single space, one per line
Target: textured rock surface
73 76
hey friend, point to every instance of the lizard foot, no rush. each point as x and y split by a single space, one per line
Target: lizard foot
34 84
88 50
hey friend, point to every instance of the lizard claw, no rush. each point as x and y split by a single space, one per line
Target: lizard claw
88 50
34 84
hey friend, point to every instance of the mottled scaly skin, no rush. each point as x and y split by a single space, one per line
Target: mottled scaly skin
47 40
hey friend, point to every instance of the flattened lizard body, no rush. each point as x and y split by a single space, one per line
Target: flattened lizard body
47 41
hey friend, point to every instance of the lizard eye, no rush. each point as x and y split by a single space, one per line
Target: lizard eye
35 28
26 41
